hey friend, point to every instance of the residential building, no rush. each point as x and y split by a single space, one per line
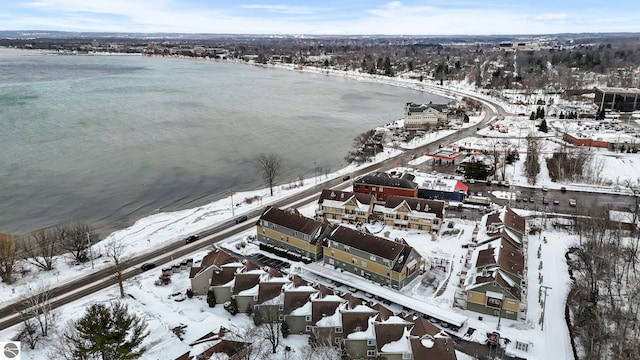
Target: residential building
293 232
424 117
386 262
412 213
382 185
494 285
345 206
214 261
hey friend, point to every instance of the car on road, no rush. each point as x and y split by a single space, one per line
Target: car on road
147 266
556 202
545 200
572 202
346 177
563 189
242 218
191 239
545 188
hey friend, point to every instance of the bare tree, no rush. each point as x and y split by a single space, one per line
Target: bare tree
269 325
532 162
59 346
115 251
256 348
8 256
76 240
319 352
37 315
41 247
269 166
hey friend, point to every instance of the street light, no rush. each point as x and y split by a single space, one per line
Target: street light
90 254
544 303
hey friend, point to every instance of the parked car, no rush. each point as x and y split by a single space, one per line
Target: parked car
572 202
545 188
147 266
563 189
242 218
545 200
191 239
556 202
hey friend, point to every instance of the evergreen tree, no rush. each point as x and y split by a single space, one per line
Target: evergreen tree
285 329
532 116
543 126
107 332
231 306
211 298
561 115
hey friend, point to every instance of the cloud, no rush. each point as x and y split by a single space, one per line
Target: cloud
551 17
285 9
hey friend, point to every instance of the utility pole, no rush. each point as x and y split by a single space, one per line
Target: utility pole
500 312
544 304
90 253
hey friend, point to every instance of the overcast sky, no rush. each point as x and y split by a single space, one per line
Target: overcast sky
330 17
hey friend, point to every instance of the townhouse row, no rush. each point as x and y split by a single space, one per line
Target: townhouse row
360 329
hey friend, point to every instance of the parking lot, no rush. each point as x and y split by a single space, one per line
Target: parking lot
264 260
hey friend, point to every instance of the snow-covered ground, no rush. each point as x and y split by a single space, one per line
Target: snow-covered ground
162 312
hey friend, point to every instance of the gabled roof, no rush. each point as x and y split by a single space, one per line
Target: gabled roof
292 219
268 290
429 342
383 179
506 256
514 221
320 309
388 332
501 279
298 281
415 204
368 243
245 281
344 196
224 275
353 321
216 257
383 312
295 299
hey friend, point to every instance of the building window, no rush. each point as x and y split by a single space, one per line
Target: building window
354 260
307 318
331 261
406 356
364 264
307 328
338 330
371 353
255 297
372 257
280 317
371 342
338 340
470 294
281 307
